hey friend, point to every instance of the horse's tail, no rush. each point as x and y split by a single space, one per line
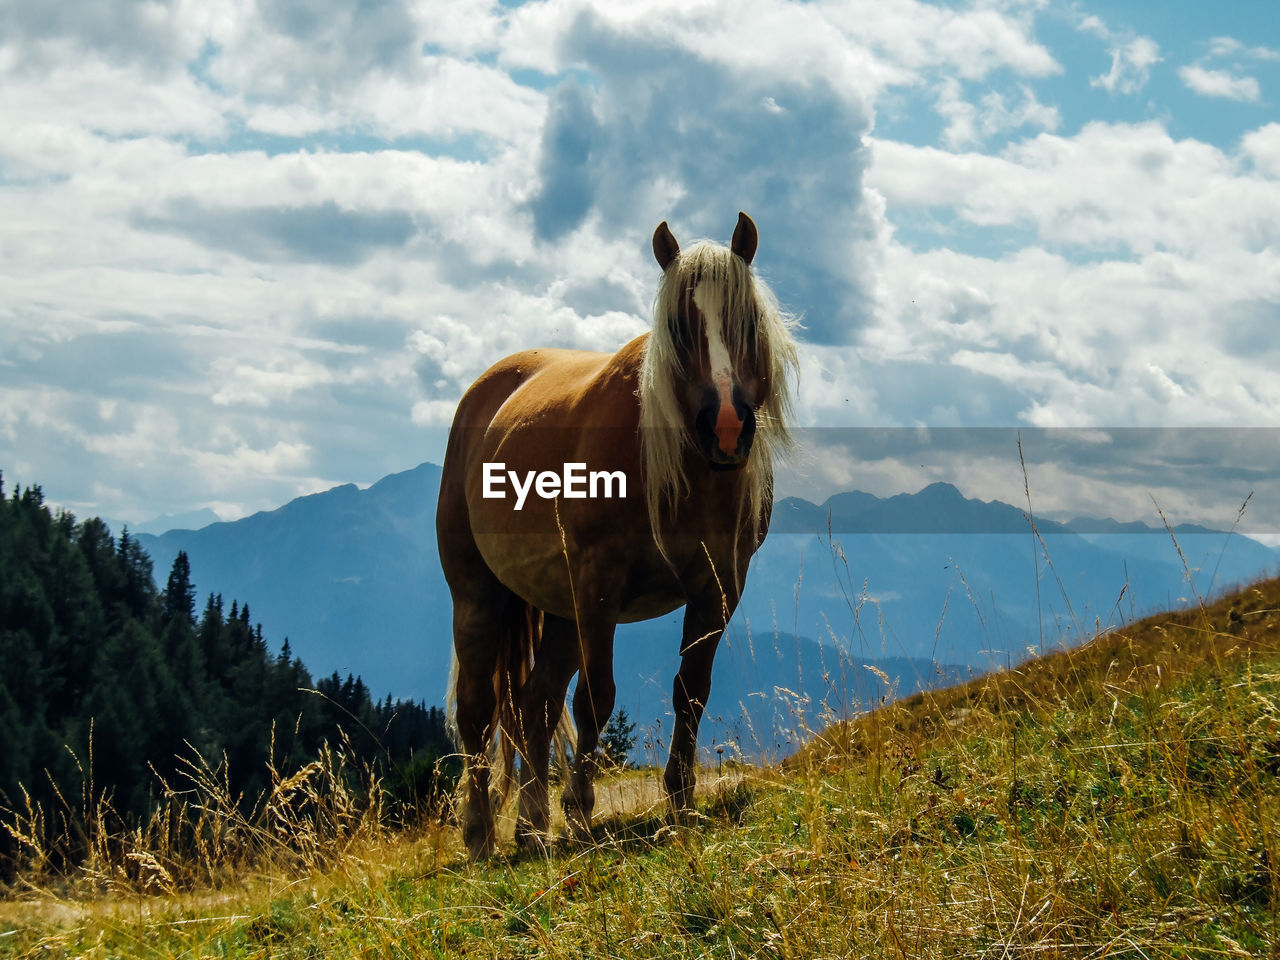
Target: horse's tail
451 703
564 741
521 637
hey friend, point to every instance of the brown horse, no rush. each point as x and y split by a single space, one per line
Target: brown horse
581 490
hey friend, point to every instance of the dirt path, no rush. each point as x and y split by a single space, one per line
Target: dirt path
632 794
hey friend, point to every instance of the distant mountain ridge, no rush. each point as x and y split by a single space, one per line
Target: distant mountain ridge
352 578
1108 525
938 508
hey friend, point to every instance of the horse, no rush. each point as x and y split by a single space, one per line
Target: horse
683 424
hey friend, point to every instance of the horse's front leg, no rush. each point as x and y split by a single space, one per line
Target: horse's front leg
592 705
704 623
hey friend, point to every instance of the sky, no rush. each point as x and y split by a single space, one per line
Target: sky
252 250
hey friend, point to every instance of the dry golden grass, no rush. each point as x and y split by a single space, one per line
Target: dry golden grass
1118 800
198 835
1156 650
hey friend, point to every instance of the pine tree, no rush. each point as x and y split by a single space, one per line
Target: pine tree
211 639
179 593
139 587
88 643
617 739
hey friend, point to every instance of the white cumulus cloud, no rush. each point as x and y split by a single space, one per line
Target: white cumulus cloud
252 249
1219 83
1132 57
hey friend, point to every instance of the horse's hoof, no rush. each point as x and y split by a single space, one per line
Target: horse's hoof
666 834
531 841
579 825
479 842
576 836
685 816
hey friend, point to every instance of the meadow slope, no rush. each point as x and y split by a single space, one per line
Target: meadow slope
1117 800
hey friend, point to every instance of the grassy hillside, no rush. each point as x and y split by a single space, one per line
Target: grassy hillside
1120 800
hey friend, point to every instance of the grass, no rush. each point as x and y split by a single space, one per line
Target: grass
1118 800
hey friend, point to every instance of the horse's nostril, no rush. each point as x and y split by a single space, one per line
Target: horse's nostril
728 429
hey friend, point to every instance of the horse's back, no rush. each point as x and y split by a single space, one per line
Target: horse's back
566 389
532 412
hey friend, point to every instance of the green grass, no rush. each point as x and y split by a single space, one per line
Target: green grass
1120 800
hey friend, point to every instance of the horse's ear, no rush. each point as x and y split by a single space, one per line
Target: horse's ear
665 248
745 238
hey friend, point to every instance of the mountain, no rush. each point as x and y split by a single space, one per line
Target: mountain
352 577
1109 525
904 583
193 520
939 508
769 690
936 575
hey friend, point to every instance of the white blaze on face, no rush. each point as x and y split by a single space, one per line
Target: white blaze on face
709 299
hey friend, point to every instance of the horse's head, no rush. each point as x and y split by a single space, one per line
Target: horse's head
709 319
716 377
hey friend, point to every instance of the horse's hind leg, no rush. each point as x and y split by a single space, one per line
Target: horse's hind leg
477 635
541 704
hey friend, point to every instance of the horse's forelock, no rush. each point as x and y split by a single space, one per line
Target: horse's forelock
755 330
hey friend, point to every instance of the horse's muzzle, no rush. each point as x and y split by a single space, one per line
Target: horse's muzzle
725 431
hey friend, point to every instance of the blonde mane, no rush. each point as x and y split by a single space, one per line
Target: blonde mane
758 337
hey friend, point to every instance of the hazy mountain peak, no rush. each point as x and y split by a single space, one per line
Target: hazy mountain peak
939 507
190 520
941 490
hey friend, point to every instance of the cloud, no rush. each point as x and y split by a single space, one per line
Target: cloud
1197 475
1231 47
160 36
442 98
564 165
256 386
1111 188
1219 83
278 51
674 133
1226 83
318 233
1262 148
1132 57
1131 64
242 238
45 123
972 42
1139 295
689 114
969 123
